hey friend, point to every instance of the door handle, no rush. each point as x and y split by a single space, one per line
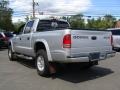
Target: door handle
28 38
18 38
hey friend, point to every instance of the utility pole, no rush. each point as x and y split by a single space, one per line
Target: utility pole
33 5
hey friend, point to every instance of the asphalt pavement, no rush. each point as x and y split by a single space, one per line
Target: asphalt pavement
22 75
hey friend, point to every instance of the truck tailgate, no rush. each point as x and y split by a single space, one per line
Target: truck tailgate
90 41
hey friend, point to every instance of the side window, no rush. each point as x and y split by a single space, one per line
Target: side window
28 27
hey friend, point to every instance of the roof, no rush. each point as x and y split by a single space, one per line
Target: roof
52 18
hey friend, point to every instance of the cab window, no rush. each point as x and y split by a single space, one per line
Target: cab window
48 25
28 27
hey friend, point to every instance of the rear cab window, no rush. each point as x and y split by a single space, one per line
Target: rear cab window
48 25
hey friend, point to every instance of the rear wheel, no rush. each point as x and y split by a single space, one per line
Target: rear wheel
42 63
118 50
11 54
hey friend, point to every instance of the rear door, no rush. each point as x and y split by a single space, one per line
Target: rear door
84 41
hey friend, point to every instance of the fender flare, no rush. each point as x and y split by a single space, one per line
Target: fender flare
47 48
11 44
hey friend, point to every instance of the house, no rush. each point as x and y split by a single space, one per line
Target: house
117 25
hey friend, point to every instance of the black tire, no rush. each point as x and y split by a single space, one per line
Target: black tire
118 50
42 63
11 54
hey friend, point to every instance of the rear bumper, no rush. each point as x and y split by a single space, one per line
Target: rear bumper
85 57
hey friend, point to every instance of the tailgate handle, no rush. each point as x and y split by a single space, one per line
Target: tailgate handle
94 38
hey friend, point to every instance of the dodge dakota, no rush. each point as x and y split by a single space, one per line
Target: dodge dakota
52 40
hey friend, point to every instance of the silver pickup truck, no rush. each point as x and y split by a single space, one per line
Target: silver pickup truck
52 40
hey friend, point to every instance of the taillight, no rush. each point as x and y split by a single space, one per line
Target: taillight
111 40
67 41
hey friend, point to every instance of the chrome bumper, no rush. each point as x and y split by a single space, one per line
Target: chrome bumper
86 57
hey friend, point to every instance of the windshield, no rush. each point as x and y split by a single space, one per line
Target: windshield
45 25
8 34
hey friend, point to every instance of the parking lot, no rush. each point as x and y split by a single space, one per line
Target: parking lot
21 75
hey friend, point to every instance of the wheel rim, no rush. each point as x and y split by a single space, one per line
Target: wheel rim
40 63
10 53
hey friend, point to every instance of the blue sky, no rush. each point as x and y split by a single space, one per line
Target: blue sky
66 7
102 7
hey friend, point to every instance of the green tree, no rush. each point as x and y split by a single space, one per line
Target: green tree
18 24
6 16
108 21
77 21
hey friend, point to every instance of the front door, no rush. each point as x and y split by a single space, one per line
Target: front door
25 39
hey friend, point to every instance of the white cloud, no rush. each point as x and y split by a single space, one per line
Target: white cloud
16 19
20 5
57 7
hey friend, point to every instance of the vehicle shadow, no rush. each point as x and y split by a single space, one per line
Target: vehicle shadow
77 74
3 48
73 74
27 63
